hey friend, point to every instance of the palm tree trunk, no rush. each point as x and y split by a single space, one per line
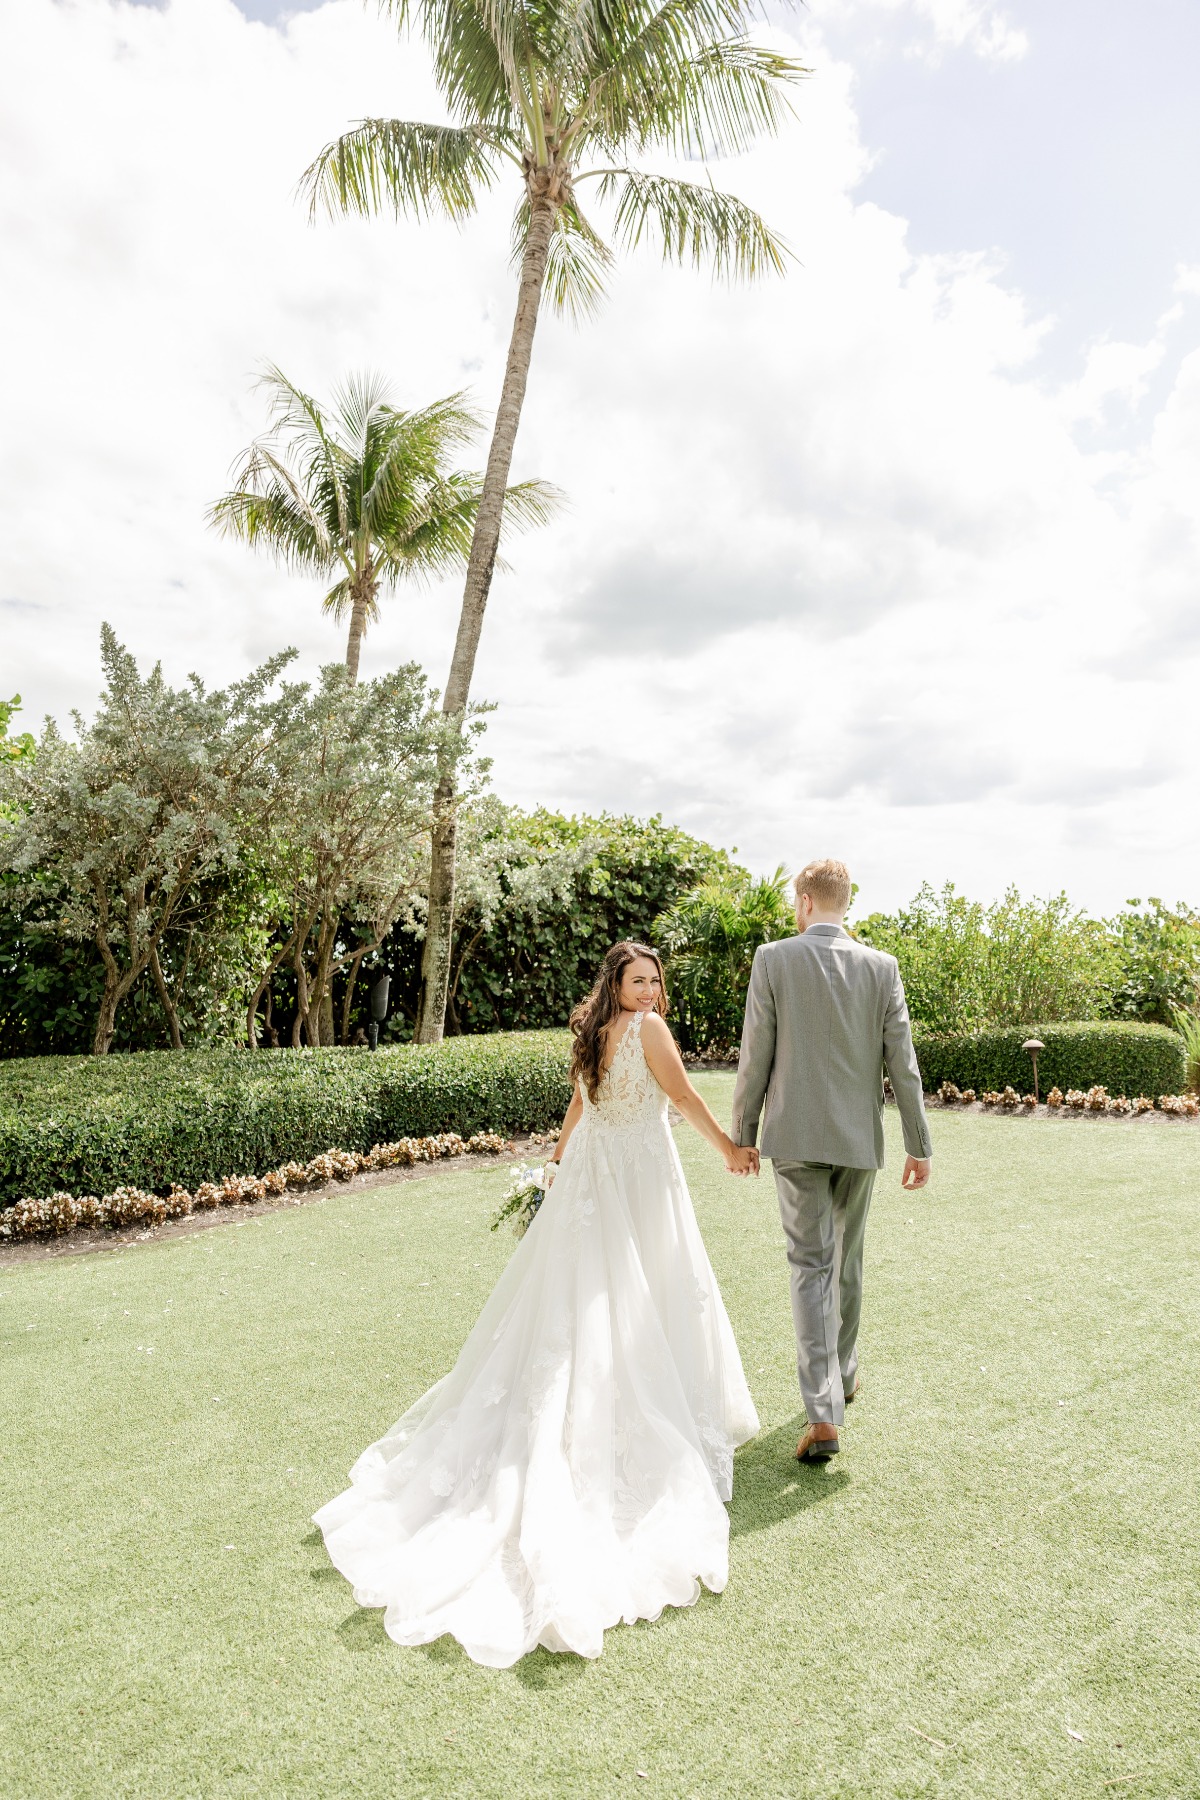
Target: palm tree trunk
363 593
435 962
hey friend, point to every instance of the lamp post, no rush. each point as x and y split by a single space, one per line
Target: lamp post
1033 1045
379 1006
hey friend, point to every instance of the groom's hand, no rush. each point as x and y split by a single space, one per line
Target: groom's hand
916 1173
742 1160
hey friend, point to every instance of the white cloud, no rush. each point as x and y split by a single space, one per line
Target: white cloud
985 30
837 576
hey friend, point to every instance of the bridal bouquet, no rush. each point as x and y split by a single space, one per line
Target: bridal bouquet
522 1198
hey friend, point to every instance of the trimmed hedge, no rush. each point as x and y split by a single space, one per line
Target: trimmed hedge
91 1124
1125 1058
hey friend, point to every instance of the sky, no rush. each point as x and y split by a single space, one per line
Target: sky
896 558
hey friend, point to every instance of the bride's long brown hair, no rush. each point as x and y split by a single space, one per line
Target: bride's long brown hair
601 1006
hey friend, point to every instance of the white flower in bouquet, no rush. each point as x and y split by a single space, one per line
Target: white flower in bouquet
522 1198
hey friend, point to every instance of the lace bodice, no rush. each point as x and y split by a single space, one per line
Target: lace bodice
628 1093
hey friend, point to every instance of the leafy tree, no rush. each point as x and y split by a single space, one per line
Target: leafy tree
561 93
542 898
118 835
364 492
1016 962
710 937
1159 951
344 848
13 749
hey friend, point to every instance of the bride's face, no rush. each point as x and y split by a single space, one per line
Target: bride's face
640 986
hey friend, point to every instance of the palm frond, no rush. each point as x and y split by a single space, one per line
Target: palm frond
715 103
271 519
407 450
694 224
482 56
577 266
298 421
530 503
359 403
340 599
686 77
436 535
409 168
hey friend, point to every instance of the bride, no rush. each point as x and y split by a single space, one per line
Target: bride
569 1471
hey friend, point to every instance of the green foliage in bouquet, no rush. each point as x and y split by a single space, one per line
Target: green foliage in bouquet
1123 1057
89 1125
522 1200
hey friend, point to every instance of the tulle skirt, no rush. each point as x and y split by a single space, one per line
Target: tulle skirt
570 1471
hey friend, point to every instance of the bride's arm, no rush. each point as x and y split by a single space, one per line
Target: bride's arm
573 1115
666 1066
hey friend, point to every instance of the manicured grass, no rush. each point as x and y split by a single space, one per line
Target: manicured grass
1006 1554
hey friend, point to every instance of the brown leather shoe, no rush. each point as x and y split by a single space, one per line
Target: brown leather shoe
814 1449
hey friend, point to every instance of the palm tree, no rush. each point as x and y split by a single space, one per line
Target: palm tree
563 92
363 492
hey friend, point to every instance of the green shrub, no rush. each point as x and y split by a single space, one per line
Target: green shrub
1125 1058
1159 951
966 966
91 1124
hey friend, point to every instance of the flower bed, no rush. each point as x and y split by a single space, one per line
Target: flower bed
96 1125
1095 1100
60 1213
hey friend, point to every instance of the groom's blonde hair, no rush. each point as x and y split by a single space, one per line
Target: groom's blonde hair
827 885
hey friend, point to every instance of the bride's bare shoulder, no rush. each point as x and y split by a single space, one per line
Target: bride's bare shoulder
655 1030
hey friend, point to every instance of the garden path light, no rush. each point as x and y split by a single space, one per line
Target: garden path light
1033 1045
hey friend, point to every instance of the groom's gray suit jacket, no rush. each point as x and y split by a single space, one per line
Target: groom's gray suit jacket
824 1015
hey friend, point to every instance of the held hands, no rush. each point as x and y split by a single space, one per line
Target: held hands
741 1159
916 1173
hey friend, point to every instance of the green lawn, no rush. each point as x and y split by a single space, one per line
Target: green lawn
1006 1555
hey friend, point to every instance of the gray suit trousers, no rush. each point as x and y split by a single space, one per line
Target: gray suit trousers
824 1211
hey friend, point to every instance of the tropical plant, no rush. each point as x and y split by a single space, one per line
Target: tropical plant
709 938
1187 1024
563 92
364 492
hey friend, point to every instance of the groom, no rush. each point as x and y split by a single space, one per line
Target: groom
823 1016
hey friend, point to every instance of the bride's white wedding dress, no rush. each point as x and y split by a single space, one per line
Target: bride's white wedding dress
570 1471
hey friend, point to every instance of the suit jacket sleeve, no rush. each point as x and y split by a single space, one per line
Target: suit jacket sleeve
903 1073
757 1054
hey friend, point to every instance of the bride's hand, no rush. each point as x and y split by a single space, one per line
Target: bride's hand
741 1159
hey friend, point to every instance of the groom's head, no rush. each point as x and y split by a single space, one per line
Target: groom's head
823 893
